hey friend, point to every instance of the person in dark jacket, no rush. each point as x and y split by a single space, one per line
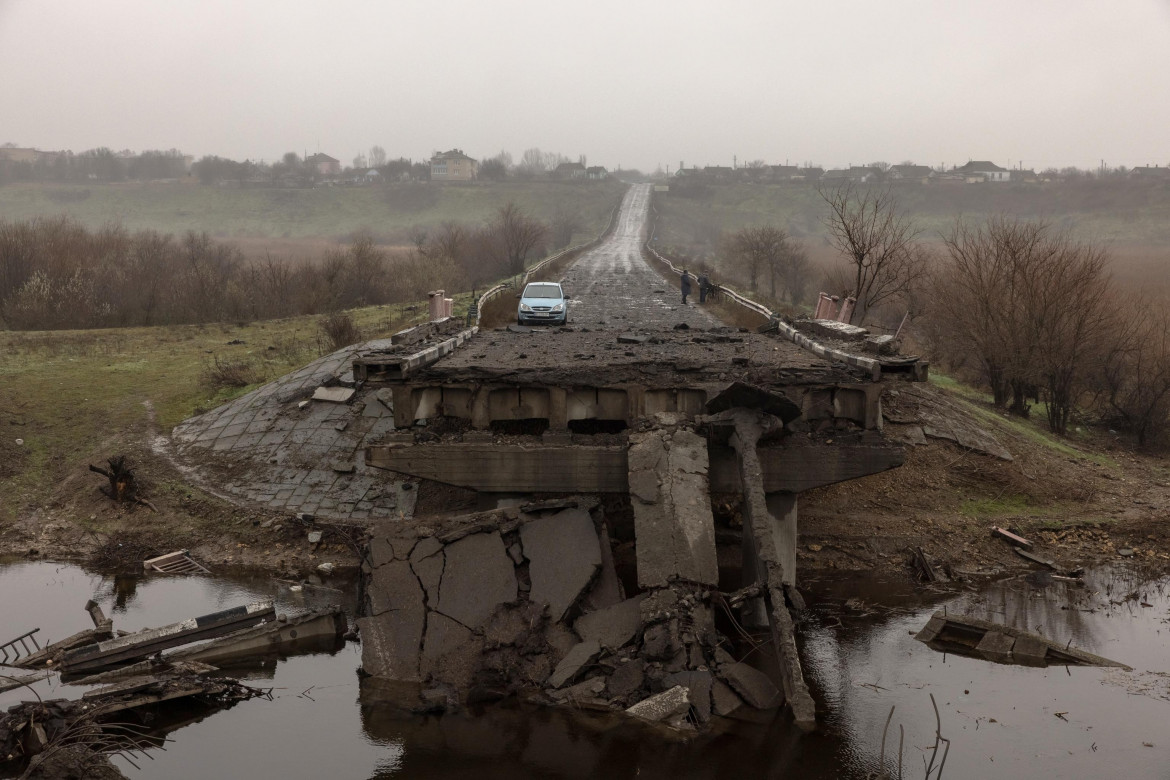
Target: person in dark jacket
704 286
686 285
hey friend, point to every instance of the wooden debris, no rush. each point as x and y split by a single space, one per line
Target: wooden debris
123 487
1010 538
926 570
178 562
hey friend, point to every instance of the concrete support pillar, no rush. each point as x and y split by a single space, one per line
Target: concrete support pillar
782 517
481 415
403 406
558 409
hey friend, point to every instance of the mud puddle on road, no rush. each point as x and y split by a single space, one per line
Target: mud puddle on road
860 658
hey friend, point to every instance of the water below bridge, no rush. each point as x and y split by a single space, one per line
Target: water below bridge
860 659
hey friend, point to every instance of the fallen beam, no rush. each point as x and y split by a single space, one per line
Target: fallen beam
765 552
308 631
143 643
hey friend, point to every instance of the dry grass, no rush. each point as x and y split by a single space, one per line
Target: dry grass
338 330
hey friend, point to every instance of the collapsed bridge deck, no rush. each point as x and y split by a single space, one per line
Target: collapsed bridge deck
639 396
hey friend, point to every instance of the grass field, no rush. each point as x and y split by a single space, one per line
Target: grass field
67 394
390 213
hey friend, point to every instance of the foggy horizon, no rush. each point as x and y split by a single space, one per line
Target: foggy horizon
637 85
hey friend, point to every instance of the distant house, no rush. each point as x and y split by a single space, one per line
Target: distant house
983 170
1150 173
858 173
453 166
596 173
718 173
809 174
909 173
570 170
1022 175
783 172
18 154
323 164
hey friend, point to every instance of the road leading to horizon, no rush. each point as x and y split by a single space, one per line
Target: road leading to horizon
613 287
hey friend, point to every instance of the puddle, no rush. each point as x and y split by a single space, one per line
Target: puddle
859 662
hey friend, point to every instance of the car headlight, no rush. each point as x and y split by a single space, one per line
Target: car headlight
525 307
559 307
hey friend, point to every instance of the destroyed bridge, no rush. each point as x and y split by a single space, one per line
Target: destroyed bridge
635 476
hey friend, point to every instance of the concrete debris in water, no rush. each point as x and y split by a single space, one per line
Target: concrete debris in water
950 632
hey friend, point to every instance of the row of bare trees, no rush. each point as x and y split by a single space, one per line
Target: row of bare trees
766 250
55 273
1027 309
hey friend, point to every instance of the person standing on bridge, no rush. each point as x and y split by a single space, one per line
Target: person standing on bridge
704 285
686 285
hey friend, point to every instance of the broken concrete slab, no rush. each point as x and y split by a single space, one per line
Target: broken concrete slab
753 685
589 689
564 556
478 577
625 679
698 684
310 631
444 635
393 634
965 635
632 338
664 707
336 395
996 646
672 512
724 701
612 627
607 589
745 396
429 571
580 656
425 548
130 647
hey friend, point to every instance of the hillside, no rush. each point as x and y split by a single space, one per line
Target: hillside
388 212
1114 212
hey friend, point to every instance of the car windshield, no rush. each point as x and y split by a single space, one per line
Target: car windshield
542 291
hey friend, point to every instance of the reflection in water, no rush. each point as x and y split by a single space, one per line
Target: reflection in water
125 589
513 740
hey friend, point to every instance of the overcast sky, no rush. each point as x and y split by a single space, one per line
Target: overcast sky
632 82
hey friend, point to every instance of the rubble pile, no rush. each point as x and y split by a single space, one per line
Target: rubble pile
527 602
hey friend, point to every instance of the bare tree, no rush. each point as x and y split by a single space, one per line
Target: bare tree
517 235
1136 372
877 239
1033 305
377 157
759 249
566 221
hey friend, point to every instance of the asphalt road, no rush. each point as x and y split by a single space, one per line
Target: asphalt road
613 288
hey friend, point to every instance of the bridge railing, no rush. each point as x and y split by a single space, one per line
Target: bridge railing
873 367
